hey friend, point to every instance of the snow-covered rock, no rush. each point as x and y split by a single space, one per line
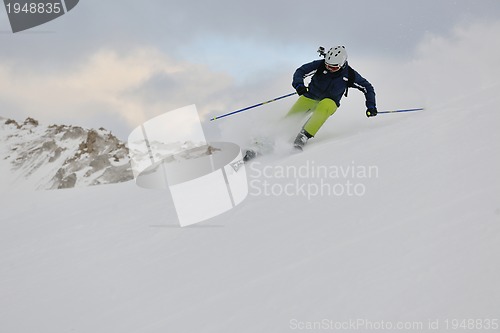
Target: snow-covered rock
35 156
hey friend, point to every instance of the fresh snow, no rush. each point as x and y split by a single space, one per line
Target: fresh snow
420 245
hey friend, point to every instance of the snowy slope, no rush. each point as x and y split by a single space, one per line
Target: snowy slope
419 244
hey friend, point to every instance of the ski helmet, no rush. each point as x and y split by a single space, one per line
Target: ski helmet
336 58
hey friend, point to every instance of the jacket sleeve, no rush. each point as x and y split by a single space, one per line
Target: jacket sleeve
303 71
364 86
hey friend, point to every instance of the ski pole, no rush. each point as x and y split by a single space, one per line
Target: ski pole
251 107
406 110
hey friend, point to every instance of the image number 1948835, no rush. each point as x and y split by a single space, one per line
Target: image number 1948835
25 14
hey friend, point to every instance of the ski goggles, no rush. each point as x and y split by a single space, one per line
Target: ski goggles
332 68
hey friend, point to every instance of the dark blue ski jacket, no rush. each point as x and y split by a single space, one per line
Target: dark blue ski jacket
326 84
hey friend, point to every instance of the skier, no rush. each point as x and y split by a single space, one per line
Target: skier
331 79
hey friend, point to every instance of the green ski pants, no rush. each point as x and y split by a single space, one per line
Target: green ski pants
321 111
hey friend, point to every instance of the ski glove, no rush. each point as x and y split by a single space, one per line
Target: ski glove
372 112
301 90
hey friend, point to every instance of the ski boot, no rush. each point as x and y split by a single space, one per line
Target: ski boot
301 139
249 154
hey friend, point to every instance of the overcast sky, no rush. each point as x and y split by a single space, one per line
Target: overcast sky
117 63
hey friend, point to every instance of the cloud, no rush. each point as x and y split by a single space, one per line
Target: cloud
444 69
385 27
134 86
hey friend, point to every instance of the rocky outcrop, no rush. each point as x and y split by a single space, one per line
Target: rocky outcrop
61 156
